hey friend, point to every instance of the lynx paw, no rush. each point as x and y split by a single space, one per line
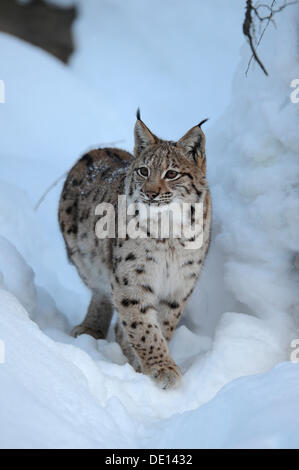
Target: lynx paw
167 376
85 330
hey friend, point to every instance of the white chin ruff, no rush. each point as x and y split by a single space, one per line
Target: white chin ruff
151 211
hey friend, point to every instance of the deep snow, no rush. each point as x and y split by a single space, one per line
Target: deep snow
57 391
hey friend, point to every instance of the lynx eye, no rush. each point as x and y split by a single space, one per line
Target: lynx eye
171 174
143 171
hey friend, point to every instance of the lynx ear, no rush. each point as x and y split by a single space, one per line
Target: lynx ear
193 143
143 136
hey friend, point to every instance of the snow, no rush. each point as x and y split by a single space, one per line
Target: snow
250 412
159 58
239 387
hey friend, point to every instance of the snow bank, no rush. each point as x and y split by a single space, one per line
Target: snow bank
59 397
254 171
251 412
16 276
47 401
57 391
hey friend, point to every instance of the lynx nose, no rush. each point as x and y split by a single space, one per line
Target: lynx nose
151 194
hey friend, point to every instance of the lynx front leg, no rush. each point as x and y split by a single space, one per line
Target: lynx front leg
170 313
139 321
98 317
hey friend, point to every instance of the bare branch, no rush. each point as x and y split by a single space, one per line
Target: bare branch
43 196
48 190
247 26
253 11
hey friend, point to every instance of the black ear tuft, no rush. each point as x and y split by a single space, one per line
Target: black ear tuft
143 136
201 122
193 143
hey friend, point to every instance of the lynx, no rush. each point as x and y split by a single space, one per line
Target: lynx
148 280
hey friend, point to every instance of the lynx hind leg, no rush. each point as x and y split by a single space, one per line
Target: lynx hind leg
98 317
127 349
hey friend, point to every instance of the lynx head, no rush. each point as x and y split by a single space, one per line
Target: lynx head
165 172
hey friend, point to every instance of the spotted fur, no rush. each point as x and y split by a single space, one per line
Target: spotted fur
147 280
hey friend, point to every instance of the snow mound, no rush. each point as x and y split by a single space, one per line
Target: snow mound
16 276
250 412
